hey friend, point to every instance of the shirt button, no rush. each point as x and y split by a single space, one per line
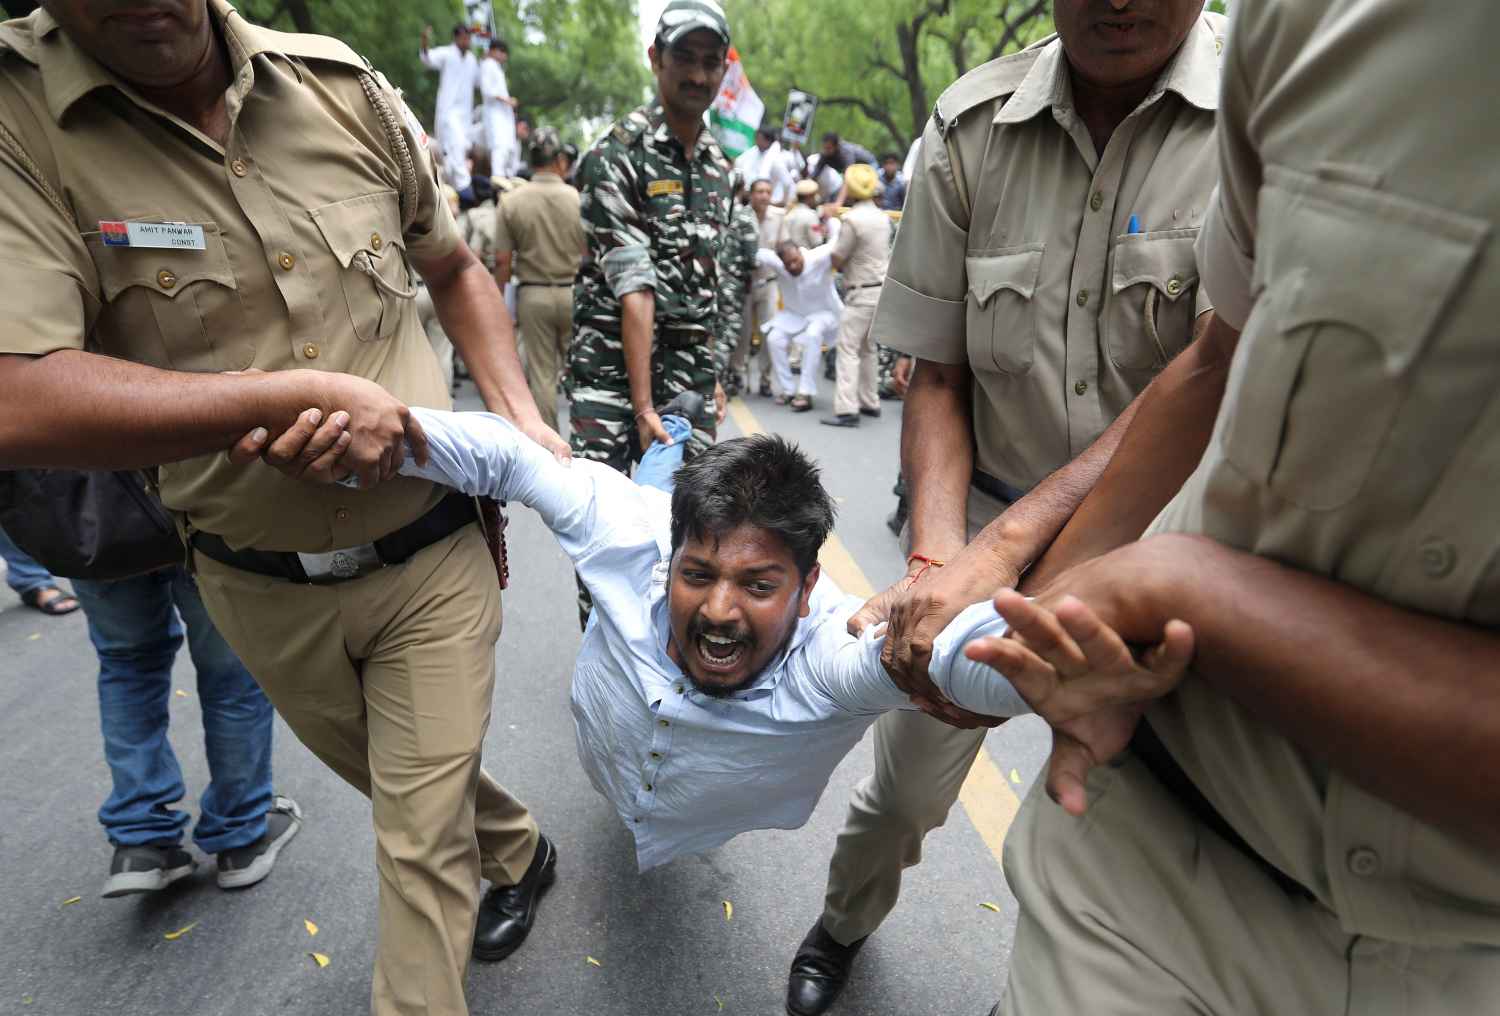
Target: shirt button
285 260
680 689
1174 285
656 754
1364 862
1438 558
166 279
342 514
376 242
1080 387
310 350
1097 201
1083 297
663 723
238 167
648 788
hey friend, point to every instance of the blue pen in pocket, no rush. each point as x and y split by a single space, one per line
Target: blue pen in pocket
1134 227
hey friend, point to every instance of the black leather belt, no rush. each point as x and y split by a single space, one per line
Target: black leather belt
867 285
996 487
681 338
549 285
1147 747
448 516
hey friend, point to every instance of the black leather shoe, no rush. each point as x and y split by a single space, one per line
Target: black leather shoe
841 420
687 404
819 972
869 412
506 913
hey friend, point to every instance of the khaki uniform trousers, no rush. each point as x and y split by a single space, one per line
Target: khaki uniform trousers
1136 909
760 308
545 314
388 680
857 364
920 766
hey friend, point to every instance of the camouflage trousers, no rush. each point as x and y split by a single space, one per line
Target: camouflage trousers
602 421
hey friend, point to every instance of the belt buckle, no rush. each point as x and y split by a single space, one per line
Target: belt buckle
341 565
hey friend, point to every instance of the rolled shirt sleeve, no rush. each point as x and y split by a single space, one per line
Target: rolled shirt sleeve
433 233
612 224
922 303
49 288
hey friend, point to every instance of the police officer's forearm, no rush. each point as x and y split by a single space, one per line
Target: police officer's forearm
1404 703
71 409
1163 437
473 314
637 325
937 456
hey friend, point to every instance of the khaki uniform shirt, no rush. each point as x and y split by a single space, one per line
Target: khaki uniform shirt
477 227
540 223
1015 254
864 245
305 263
1354 242
801 227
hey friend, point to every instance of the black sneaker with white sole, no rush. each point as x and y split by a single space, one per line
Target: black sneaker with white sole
147 868
244 866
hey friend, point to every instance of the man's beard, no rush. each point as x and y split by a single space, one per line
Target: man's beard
721 691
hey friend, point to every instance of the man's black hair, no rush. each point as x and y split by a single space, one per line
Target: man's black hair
498 43
769 133
764 481
460 28
831 136
890 157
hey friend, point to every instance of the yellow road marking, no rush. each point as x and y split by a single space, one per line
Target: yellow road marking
989 801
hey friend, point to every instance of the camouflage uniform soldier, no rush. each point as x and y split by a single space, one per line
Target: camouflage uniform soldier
655 204
736 264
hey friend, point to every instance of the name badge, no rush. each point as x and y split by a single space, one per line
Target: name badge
159 235
656 188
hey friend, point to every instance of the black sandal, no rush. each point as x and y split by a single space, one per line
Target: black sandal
53 606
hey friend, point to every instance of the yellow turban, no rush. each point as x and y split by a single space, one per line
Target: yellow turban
860 182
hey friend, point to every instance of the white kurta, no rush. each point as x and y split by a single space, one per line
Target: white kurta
457 74
499 117
809 315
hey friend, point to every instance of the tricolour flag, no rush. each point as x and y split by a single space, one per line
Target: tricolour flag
737 110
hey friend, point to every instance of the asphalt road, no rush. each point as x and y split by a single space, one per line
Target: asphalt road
661 942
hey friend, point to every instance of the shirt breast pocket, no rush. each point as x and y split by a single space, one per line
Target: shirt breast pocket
170 308
1352 285
364 236
1000 318
1153 298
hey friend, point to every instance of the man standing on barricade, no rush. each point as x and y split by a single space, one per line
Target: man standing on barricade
193 196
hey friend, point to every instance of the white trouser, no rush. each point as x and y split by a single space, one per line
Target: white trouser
453 137
500 133
785 332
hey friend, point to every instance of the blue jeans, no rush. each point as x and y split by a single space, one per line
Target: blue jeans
137 632
660 461
22 573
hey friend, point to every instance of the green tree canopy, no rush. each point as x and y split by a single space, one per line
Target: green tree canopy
877 65
570 60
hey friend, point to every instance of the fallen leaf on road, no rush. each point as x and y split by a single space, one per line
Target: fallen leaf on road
593 961
990 906
173 936
1015 777
728 911
312 929
71 900
25 999
321 960
180 693
32 638
720 1001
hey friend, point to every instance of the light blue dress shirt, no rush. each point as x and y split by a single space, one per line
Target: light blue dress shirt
687 771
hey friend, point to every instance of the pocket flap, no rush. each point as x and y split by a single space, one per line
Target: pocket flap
1381 263
1164 260
165 271
370 223
1016 270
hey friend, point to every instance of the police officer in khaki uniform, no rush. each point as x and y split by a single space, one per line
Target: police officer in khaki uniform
1305 823
157 207
539 242
764 295
1042 276
861 254
802 225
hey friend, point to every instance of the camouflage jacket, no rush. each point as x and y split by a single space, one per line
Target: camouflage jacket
737 260
654 217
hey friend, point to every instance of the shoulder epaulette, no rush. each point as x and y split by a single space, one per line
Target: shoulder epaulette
307 47
988 81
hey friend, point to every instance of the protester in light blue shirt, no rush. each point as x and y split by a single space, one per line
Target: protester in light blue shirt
717 685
